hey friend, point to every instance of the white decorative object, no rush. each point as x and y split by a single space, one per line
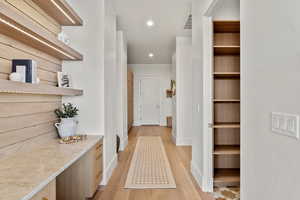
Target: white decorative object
38 80
15 77
67 127
64 80
21 69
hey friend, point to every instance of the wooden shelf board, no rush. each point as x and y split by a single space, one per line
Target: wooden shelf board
227 150
227 50
39 89
226 26
66 16
227 74
227 125
24 30
226 177
226 100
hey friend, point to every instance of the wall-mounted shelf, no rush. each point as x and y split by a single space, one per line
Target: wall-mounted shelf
227 150
227 74
39 89
61 11
231 125
227 50
22 29
226 177
227 100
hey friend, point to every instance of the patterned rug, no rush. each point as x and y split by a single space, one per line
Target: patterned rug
227 193
149 166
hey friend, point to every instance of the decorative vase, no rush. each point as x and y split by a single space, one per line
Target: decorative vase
15 77
67 127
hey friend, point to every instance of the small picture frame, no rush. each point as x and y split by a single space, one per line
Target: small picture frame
64 80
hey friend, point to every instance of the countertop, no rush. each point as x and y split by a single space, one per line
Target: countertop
24 174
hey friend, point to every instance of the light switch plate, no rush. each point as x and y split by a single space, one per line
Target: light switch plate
285 124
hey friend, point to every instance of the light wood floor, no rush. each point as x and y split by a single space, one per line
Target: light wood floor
179 158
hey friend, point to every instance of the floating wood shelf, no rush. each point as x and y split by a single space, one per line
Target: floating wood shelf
227 26
226 177
231 125
227 100
227 74
39 89
22 29
227 50
61 11
227 150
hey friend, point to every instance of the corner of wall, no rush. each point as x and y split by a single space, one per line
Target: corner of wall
109 170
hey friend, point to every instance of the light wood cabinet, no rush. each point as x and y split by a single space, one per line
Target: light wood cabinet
80 181
130 98
48 193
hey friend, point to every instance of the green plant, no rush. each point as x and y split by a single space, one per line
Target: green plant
67 111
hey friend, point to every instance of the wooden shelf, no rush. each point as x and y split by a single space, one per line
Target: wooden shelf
227 26
227 74
24 30
227 100
227 150
227 50
226 177
227 125
39 89
61 11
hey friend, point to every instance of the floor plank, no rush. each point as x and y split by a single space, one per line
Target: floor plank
179 158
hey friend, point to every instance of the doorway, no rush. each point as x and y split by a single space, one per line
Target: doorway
150 101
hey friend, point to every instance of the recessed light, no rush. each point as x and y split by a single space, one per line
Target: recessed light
150 23
151 55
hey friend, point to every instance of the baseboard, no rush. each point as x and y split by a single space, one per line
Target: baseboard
183 141
123 143
109 170
196 173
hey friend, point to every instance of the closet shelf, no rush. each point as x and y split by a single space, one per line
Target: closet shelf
226 74
227 150
227 100
61 11
227 177
39 89
227 125
227 50
227 26
24 30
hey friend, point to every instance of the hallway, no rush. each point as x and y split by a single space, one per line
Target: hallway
179 158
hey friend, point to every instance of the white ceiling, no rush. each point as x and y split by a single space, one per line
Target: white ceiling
169 17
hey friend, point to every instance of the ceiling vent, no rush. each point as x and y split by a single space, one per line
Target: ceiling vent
188 23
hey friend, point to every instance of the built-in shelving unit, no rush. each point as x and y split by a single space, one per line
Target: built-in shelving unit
61 11
226 103
28 88
24 30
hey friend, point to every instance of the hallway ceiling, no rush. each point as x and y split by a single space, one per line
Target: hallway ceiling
169 16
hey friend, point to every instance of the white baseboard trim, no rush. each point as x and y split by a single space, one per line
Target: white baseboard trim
196 173
109 170
183 141
123 143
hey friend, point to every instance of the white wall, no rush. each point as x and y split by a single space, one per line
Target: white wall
161 71
270 82
96 39
122 89
184 91
174 111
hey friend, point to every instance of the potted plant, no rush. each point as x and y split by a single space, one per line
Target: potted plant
68 124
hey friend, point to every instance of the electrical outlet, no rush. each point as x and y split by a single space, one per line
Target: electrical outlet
285 124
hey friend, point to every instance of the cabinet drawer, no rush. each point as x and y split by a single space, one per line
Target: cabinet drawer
47 193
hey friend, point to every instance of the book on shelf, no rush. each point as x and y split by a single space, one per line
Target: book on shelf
27 69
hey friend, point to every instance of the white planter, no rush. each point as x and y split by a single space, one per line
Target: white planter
67 127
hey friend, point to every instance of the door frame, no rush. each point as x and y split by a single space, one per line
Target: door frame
208 84
138 79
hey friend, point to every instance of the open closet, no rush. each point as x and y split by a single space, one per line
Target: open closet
226 103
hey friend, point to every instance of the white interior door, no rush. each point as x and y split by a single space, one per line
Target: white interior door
150 101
